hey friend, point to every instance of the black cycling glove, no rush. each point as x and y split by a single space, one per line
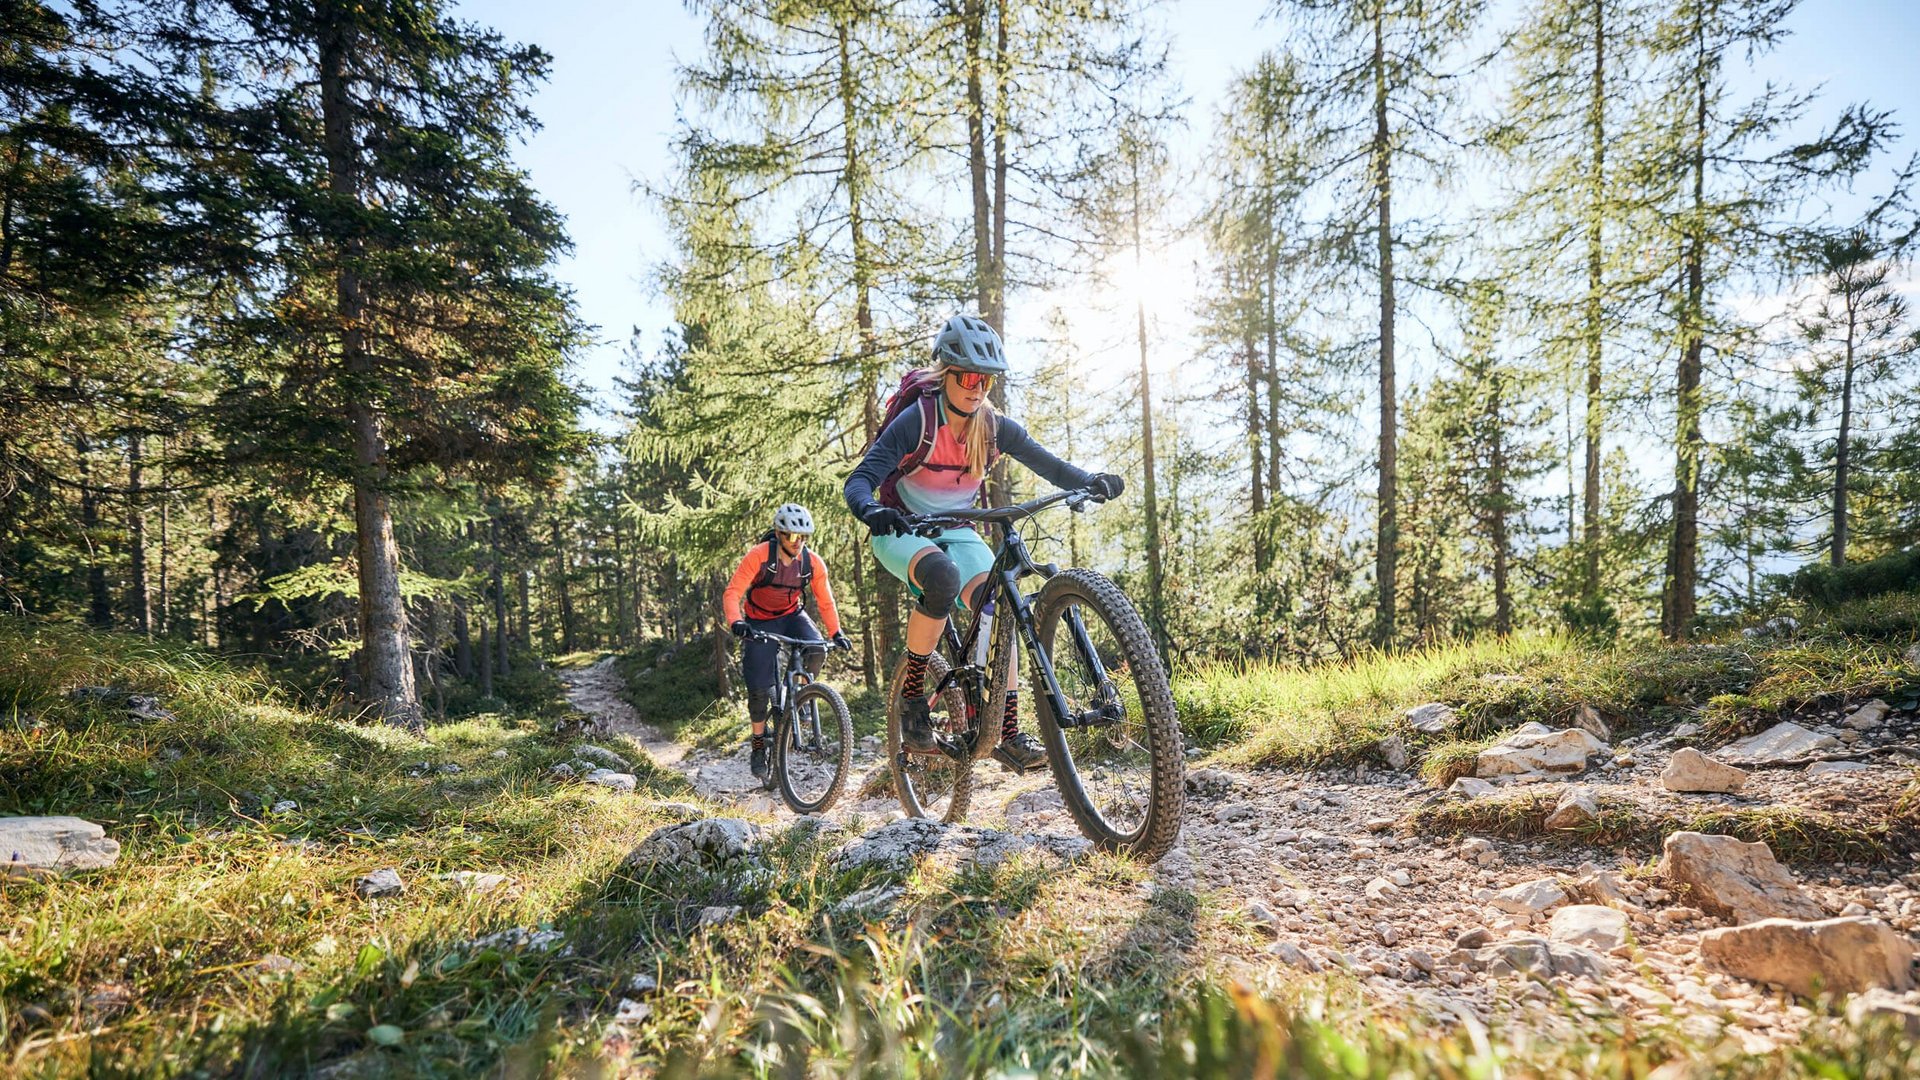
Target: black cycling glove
740 628
885 519
841 641
1106 485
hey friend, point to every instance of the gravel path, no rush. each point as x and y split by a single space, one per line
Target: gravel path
1325 874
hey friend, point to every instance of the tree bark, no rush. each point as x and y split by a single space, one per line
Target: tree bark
166 549
386 668
139 595
1499 505
1841 463
1678 601
1388 541
1595 314
722 640
1156 581
462 641
99 600
499 591
561 590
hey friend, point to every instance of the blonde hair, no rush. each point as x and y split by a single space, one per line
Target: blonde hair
979 442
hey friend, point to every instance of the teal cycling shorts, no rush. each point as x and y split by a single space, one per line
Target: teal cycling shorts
970 553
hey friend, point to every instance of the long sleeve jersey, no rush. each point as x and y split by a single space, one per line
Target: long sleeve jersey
942 482
760 591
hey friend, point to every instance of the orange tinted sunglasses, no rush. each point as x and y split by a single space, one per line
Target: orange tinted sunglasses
972 380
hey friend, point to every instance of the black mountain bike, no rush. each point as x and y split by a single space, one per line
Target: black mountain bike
812 731
1099 685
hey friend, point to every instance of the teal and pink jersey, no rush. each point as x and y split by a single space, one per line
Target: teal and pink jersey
942 482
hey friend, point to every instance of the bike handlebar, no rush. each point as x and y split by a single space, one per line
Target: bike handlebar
781 639
930 525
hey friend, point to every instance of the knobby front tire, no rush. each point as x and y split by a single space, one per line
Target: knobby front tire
930 785
1123 782
811 777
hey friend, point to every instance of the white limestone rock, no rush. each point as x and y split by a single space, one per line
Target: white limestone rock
58 845
1734 879
1536 750
1783 743
1833 956
1692 771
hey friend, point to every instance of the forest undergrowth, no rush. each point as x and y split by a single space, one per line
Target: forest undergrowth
229 939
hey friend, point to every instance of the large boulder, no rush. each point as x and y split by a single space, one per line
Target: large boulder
1536 749
897 845
1736 880
1833 956
56 845
1783 743
1691 770
697 844
1537 957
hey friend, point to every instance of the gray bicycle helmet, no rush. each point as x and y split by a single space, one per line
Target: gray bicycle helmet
968 343
793 518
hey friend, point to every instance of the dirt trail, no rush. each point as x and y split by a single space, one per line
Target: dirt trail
1320 868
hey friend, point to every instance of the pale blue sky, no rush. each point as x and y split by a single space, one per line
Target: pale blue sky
609 114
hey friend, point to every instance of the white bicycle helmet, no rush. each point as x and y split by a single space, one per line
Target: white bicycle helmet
967 342
793 518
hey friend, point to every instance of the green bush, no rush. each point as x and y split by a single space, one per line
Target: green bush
1827 585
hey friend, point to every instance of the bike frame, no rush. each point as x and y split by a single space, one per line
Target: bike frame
1012 562
793 677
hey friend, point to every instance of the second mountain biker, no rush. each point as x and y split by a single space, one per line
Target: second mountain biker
910 469
766 593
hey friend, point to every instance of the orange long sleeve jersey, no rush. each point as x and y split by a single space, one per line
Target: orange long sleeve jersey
757 593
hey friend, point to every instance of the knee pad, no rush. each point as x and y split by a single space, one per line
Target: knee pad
939 584
980 595
757 702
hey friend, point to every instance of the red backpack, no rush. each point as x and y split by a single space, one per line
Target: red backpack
912 394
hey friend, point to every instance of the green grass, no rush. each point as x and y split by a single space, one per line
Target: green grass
1282 715
1868 835
150 968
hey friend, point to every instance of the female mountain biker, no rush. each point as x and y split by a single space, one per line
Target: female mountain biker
909 470
765 594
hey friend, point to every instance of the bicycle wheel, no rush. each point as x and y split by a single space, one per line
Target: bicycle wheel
812 761
929 785
1121 775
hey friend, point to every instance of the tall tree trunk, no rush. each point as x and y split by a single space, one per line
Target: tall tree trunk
525 612
99 600
1842 441
139 595
217 595
500 636
386 668
1499 506
722 640
1596 326
166 549
462 641
1678 606
1256 464
561 590
1387 553
486 660
1156 580
887 590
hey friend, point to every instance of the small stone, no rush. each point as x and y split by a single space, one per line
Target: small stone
1883 1006
1382 889
1471 787
718 914
1387 934
562 771
1478 937
1912 655
643 984
285 806
1868 716
1827 768
1393 751
616 781
1401 878
1381 824
1263 915
603 757
1290 954
54 845
1531 897
1599 928
1692 771
1539 752
1578 808
1588 719
380 883
1433 718
632 1012
1783 743
499 755
1421 960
